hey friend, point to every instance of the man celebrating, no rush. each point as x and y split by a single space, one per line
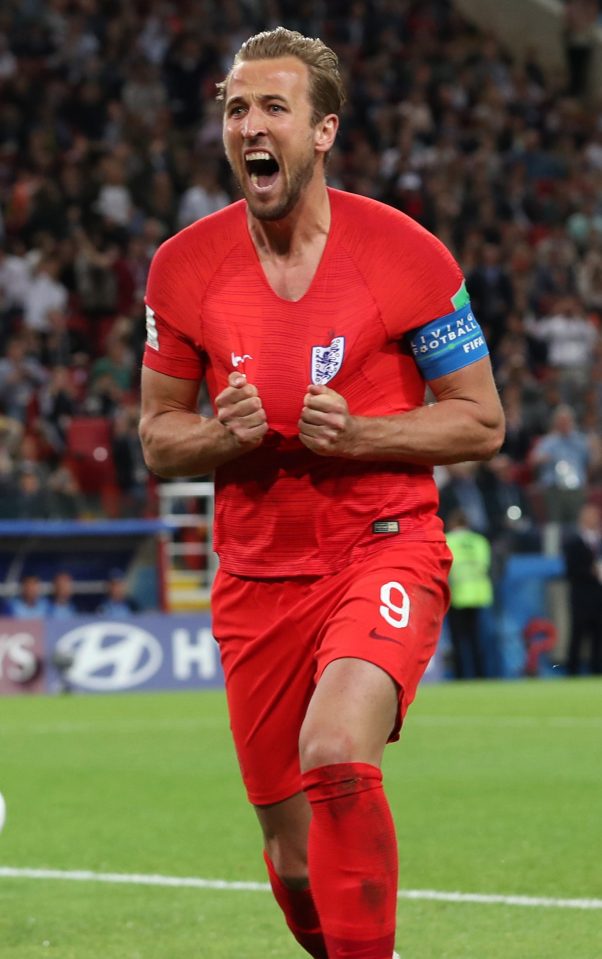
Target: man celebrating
332 583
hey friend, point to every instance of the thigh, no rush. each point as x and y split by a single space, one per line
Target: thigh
267 657
390 613
277 637
350 716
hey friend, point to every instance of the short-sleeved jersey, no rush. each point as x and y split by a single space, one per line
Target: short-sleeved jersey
282 510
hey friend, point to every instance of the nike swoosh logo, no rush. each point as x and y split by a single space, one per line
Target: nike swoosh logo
374 635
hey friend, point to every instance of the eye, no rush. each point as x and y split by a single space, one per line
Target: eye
276 108
236 111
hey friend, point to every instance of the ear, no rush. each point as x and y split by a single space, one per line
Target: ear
325 133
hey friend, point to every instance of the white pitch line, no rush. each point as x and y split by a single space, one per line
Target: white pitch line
191 882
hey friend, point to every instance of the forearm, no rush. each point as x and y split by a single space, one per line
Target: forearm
453 431
178 443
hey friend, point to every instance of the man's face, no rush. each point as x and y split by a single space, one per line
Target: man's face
31 589
269 140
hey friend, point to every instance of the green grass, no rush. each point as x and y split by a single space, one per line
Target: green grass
496 788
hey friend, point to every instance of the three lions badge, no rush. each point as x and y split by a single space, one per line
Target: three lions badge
326 361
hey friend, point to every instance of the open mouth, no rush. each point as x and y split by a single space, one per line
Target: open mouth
262 168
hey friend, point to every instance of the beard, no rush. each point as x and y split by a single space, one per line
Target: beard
300 177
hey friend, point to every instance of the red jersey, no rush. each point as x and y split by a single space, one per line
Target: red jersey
282 510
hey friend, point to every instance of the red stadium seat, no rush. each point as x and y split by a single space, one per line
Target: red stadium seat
89 454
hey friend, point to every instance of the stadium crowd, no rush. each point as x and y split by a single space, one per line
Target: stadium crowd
110 141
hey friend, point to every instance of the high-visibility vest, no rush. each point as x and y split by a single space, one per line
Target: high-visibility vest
469 580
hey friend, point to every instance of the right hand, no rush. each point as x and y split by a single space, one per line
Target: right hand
241 412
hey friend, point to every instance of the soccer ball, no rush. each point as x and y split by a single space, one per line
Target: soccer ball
2 812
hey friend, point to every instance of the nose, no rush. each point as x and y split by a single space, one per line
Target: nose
253 124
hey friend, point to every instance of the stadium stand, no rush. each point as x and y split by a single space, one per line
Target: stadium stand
110 140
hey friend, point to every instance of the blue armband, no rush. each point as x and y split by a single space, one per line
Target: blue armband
447 344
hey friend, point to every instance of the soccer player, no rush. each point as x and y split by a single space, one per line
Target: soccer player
316 318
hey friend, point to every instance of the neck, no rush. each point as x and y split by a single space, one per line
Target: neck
286 238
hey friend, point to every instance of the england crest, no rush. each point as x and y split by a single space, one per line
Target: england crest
326 361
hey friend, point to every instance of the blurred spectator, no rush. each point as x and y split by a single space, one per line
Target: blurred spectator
583 557
11 433
143 94
130 469
32 497
117 602
94 272
589 276
117 363
58 345
20 376
57 405
461 491
554 273
8 62
114 202
570 339
491 293
471 591
14 279
66 498
522 422
512 526
44 294
8 481
580 21
561 459
205 196
29 603
60 602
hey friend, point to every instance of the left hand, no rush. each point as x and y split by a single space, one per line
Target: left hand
326 427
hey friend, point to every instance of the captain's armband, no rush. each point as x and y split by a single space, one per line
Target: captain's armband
448 344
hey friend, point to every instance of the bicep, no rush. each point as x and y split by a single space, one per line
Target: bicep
475 385
167 394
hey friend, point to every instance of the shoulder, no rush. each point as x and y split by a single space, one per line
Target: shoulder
411 274
373 225
185 263
204 240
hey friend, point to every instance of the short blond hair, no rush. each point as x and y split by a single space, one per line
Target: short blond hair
326 88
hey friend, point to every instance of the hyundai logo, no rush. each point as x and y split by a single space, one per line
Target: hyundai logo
110 656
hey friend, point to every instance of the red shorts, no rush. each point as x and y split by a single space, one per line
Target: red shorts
276 637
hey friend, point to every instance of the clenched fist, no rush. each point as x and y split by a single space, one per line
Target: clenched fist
241 412
326 426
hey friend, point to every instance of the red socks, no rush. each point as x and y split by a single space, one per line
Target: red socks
299 912
352 860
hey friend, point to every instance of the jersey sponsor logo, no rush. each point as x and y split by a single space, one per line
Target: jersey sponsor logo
326 361
237 360
374 634
152 334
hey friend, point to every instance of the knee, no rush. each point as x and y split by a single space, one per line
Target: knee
326 748
289 860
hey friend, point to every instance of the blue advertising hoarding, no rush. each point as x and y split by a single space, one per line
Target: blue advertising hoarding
109 655
145 652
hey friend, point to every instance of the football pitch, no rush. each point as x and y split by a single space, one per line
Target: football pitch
128 835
